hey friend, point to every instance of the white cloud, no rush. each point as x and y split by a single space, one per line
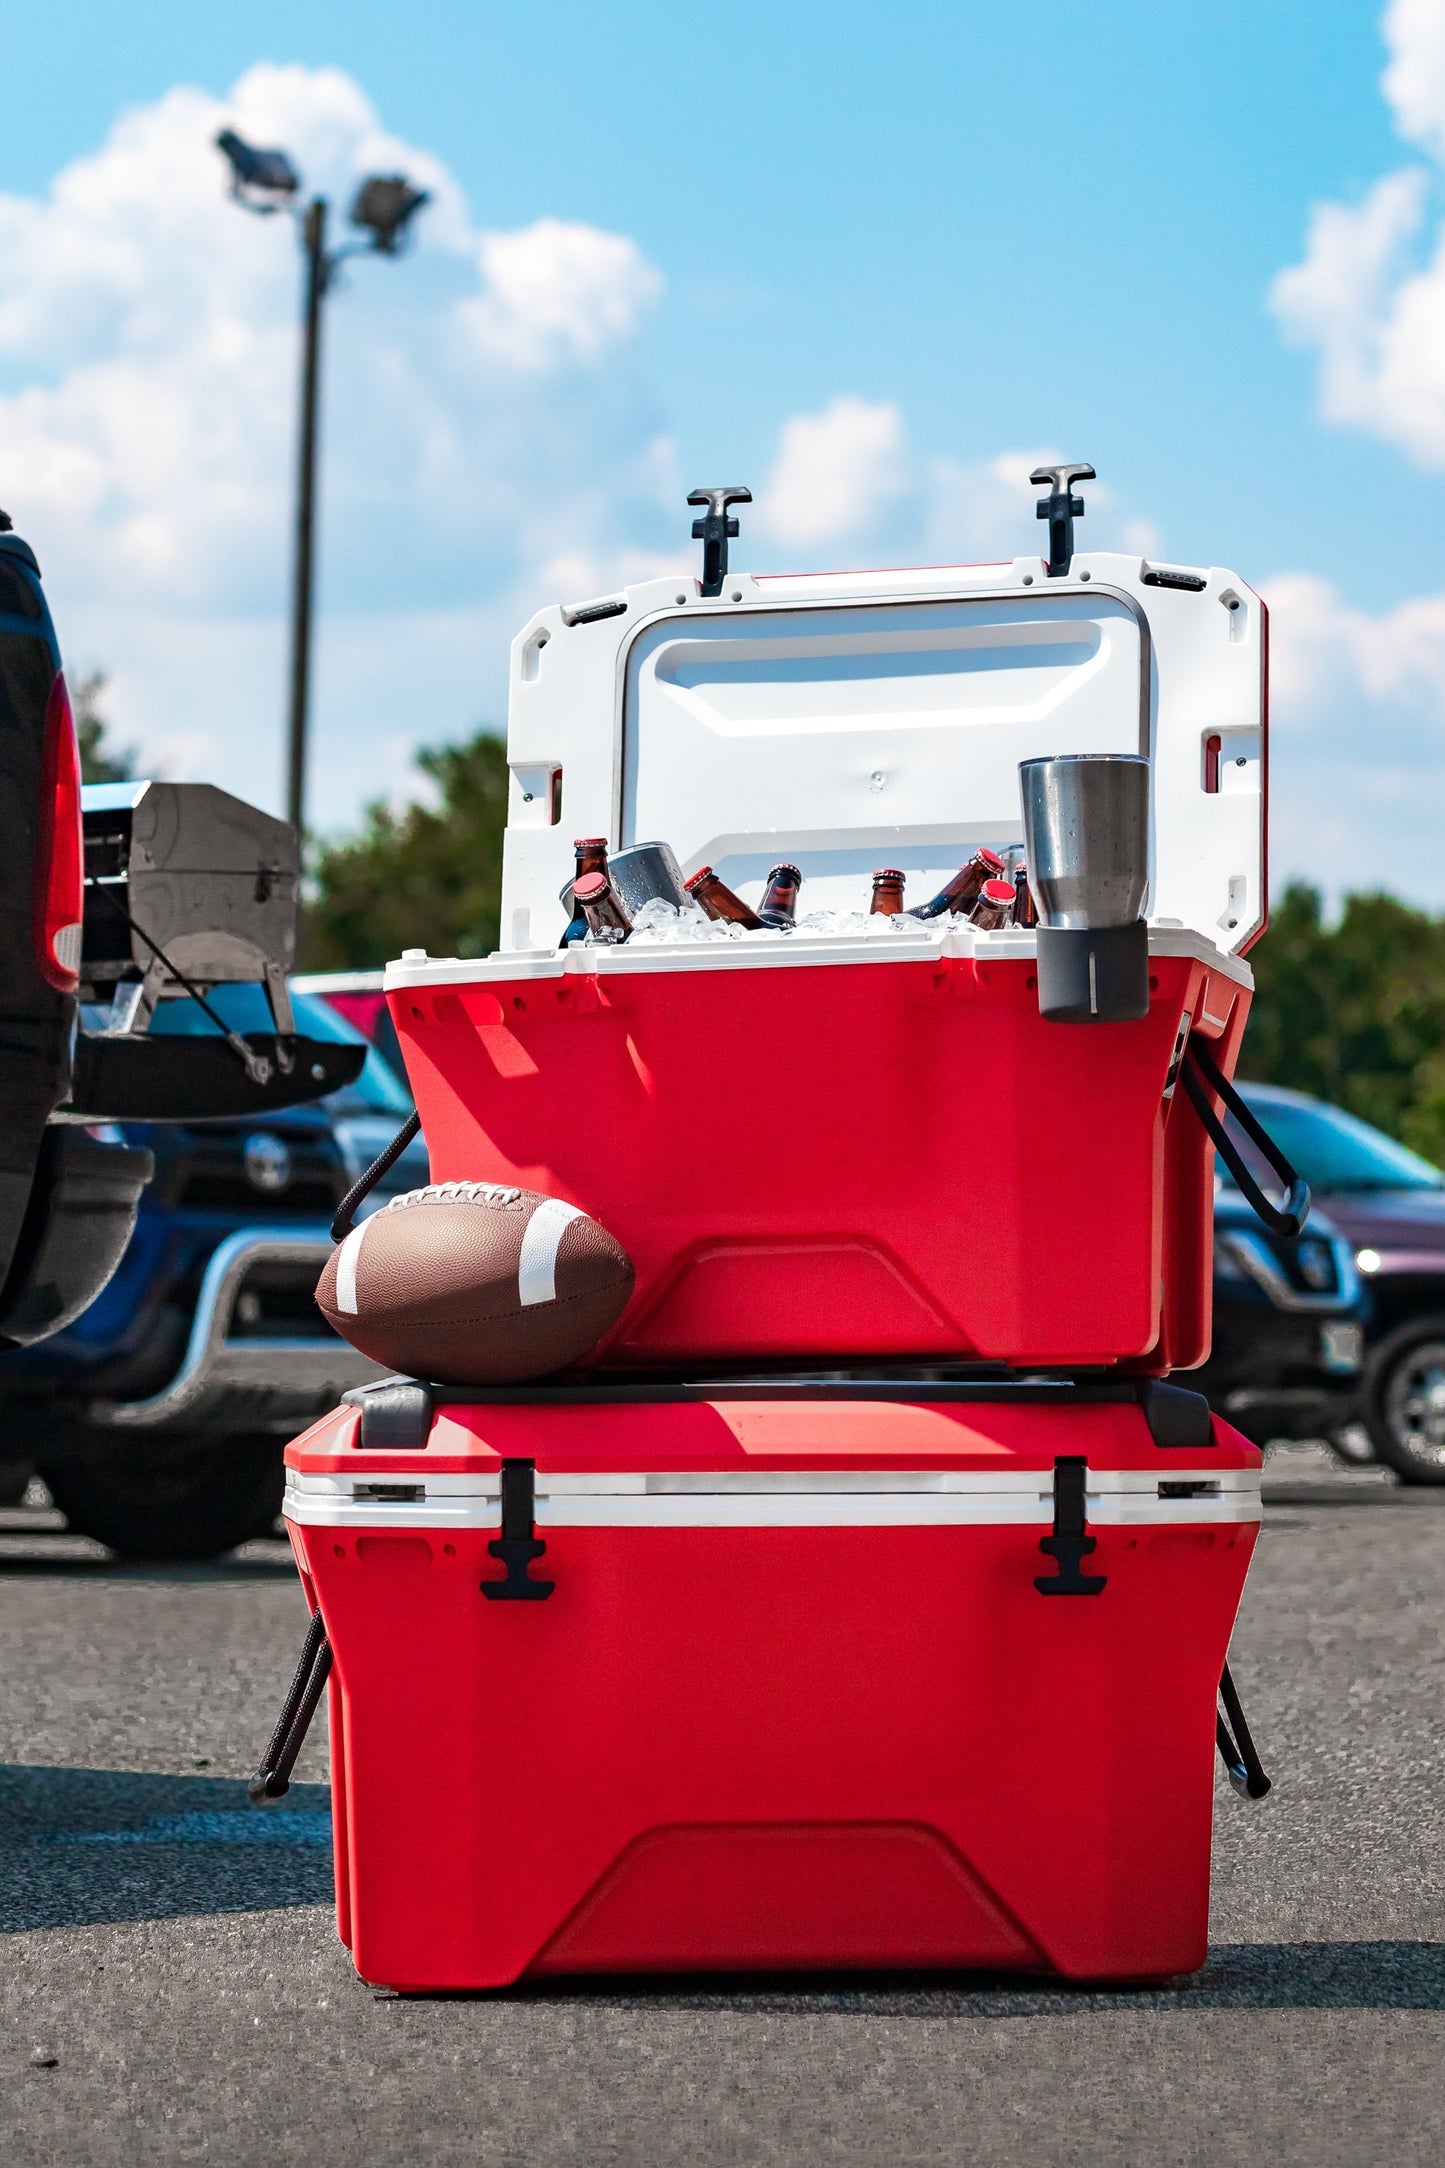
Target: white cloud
836 474
483 410
1357 710
1414 81
1369 296
557 292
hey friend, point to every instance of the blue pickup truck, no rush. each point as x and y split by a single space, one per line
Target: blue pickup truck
157 1418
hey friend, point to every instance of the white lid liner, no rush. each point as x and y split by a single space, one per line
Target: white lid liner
831 1498
851 720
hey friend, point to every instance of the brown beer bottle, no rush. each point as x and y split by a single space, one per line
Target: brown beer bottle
607 919
715 897
1025 909
887 893
993 906
591 858
959 893
780 897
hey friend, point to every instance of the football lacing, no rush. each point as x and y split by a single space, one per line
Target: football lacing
493 1193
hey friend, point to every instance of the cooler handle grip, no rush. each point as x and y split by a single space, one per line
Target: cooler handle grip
1287 1219
1237 1750
387 1157
273 1779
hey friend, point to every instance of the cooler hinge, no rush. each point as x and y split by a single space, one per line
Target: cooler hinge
1069 1544
518 1545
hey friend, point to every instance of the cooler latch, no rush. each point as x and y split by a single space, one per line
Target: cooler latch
1069 1543
715 530
1061 508
518 1545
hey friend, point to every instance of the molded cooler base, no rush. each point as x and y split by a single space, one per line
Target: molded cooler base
795 1701
893 1158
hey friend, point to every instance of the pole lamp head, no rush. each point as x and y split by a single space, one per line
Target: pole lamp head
262 180
384 207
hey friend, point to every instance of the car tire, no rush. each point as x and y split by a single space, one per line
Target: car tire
1402 1400
168 1499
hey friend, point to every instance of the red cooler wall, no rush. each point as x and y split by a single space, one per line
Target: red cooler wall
894 1159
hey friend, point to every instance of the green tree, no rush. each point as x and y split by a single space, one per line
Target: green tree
421 878
99 761
1355 1012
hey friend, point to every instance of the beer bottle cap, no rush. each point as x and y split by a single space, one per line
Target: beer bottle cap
703 873
888 873
986 857
593 885
785 873
992 891
590 843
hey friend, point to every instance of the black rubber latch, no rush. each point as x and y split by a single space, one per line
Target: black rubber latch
1179 1420
1061 508
1069 1543
715 530
518 1545
396 1415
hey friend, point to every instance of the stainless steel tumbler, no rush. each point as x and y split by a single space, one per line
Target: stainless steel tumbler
1086 833
647 870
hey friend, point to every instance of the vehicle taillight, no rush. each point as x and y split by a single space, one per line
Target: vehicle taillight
59 853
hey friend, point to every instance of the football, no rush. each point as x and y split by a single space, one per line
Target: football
474 1283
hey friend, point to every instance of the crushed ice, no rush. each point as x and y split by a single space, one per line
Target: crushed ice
659 924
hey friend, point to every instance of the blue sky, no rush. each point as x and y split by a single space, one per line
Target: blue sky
926 241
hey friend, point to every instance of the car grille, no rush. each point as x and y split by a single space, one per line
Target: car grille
212 1177
221 1192
1309 1265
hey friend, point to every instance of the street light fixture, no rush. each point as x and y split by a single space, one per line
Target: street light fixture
266 181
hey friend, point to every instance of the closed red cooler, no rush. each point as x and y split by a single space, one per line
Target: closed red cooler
754 1677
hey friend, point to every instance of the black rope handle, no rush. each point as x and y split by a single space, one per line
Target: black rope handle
1287 1219
273 1779
1238 1752
345 1218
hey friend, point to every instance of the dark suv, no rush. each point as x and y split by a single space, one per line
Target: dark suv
1289 1326
1389 1204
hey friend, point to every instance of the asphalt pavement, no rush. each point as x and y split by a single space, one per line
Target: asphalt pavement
172 1988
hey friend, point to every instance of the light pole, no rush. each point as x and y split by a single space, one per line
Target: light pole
383 208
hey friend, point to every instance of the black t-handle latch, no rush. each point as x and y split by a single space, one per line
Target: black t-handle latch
518 1544
715 530
1069 1544
1061 508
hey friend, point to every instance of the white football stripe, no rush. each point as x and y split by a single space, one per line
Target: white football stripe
537 1264
347 1259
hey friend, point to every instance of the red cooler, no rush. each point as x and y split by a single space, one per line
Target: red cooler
767 1678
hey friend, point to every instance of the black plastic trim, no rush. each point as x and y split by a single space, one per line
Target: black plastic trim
1176 1417
396 1415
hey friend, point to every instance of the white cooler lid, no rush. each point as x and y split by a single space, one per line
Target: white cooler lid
853 720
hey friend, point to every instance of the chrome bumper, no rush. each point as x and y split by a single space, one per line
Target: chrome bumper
250 1382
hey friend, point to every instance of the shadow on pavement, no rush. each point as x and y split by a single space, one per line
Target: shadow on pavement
1238 1976
82 1847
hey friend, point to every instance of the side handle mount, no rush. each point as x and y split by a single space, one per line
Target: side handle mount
1061 508
715 530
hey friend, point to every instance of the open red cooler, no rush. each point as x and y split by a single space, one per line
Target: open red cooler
741 1648
832 1148
797 1698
